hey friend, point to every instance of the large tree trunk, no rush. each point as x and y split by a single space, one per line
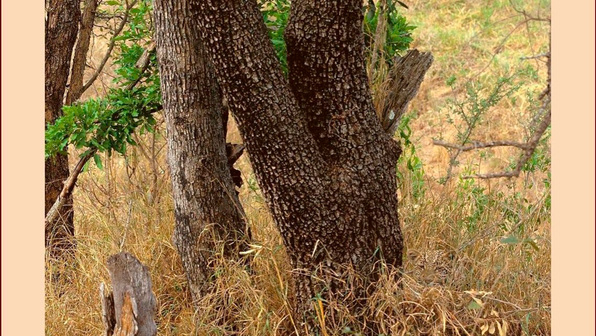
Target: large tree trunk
206 204
320 155
61 31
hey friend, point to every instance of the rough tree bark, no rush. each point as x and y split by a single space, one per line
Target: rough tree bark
405 78
321 157
80 52
207 208
62 22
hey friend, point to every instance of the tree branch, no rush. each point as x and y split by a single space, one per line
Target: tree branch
479 145
405 79
52 214
546 54
111 46
531 145
69 184
529 150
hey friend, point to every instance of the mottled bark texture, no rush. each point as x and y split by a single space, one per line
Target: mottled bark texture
62 22
207 208
320 155
327 76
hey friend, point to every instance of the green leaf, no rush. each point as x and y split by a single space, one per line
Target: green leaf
85 167
97 160
402 4
509 240
473 305
532 243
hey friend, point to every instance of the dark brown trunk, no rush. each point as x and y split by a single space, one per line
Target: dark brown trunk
80 52
206 204
321 157
61 31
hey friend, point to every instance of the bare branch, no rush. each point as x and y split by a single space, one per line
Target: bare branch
528 152
544 115
514 173
532 143
498 49
53 213
479 145
111 46
546 54
527 15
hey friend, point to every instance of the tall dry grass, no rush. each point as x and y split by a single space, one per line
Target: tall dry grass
478 253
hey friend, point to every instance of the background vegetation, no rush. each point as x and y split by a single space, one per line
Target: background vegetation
478 251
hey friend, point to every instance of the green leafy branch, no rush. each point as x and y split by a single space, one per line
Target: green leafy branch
107 124
383 22
472 110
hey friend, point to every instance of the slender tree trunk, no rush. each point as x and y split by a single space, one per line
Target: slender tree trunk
320 155
80 52
206 204
61 31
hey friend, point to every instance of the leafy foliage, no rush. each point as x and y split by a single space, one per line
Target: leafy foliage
475 105
398 33
107 124
276 14
409 156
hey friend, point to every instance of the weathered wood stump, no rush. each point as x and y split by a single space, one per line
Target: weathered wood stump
406 77
128 310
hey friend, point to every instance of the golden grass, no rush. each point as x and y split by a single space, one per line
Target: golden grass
464 37
461 277
435 295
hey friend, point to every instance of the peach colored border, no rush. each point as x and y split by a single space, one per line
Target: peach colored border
22 168
573 168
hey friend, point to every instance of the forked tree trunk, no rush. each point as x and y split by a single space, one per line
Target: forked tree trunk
207 208
61 31
320 155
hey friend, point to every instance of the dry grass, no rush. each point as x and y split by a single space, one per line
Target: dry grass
461 277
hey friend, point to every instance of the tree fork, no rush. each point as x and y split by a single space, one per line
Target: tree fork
322 159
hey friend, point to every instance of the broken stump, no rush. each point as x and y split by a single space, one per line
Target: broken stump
130 309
